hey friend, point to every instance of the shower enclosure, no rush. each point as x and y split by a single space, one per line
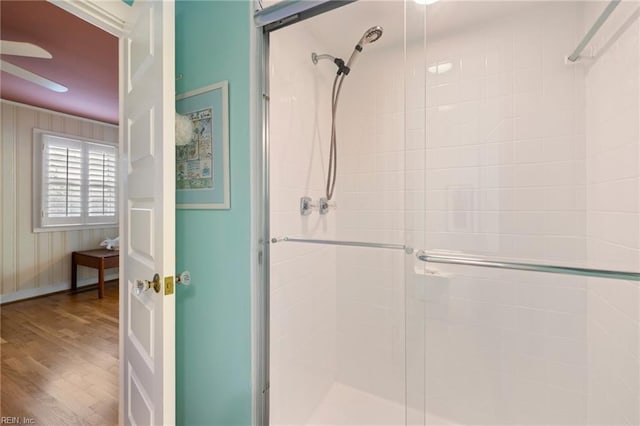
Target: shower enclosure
479 259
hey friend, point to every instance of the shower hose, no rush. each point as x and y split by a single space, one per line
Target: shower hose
333 151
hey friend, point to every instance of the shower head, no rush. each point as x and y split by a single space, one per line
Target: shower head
371 35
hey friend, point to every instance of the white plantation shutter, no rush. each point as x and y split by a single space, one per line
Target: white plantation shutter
78 182
62 181
101 180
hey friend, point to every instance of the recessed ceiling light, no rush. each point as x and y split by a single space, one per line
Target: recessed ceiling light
427 2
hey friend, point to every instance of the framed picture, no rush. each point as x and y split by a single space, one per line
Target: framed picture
202 165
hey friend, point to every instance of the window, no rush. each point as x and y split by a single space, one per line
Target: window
75 182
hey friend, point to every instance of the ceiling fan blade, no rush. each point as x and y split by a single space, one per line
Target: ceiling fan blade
34 78
19 48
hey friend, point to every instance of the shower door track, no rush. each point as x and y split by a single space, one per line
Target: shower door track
499 264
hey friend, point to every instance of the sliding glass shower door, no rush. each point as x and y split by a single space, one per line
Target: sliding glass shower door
478 261
526 206
337 323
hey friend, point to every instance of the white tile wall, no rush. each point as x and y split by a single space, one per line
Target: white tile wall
613 216
303 277
368 285
370 197
504 176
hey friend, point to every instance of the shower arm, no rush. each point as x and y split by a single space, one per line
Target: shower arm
315 57
342 68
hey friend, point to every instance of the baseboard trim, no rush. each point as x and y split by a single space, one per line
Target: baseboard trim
30 293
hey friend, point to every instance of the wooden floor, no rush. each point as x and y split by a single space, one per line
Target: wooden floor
60 359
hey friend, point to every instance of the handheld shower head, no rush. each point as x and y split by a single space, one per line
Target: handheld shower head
373 34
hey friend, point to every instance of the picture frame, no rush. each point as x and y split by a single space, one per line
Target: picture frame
202 166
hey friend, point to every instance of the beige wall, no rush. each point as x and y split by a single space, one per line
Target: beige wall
38 263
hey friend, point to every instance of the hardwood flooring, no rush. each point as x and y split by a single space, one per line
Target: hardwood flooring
59 359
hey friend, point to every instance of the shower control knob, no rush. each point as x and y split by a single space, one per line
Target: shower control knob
306 206
323 205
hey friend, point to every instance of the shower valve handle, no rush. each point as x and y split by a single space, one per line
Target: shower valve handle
307 206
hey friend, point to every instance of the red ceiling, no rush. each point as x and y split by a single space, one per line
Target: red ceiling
85 59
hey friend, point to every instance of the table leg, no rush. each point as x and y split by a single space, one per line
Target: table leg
74 272
101 279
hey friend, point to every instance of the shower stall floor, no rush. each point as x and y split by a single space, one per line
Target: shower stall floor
344 405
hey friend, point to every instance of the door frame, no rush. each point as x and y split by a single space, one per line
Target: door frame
109 16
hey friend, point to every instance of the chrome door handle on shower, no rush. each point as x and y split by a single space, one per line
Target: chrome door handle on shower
519 266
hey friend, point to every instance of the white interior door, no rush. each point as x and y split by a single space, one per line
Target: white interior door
148 214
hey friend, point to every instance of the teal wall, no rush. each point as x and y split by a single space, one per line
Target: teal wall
213 315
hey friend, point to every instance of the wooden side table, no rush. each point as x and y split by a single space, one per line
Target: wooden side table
99 259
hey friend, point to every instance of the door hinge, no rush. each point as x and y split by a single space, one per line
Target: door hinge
168 285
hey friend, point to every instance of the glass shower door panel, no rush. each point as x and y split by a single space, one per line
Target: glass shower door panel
534 160
367 207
